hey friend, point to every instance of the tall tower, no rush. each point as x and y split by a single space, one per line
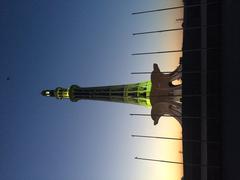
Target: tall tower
131 93
159 93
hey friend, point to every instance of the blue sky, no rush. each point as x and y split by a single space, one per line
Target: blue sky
46 44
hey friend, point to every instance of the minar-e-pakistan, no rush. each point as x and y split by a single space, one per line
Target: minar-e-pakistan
160 93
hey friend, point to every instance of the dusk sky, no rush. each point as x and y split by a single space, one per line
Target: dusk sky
47 44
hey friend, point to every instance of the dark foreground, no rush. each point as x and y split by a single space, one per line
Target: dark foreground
210 90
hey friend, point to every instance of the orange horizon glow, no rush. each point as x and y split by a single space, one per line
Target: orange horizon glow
170 150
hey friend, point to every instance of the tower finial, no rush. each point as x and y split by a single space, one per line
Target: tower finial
48 93
59 93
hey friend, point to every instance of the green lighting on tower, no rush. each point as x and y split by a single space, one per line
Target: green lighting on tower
137 93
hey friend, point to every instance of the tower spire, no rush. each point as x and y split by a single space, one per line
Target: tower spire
159 93
137 93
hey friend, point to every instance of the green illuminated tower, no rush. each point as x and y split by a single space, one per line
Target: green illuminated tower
131 93
159 93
